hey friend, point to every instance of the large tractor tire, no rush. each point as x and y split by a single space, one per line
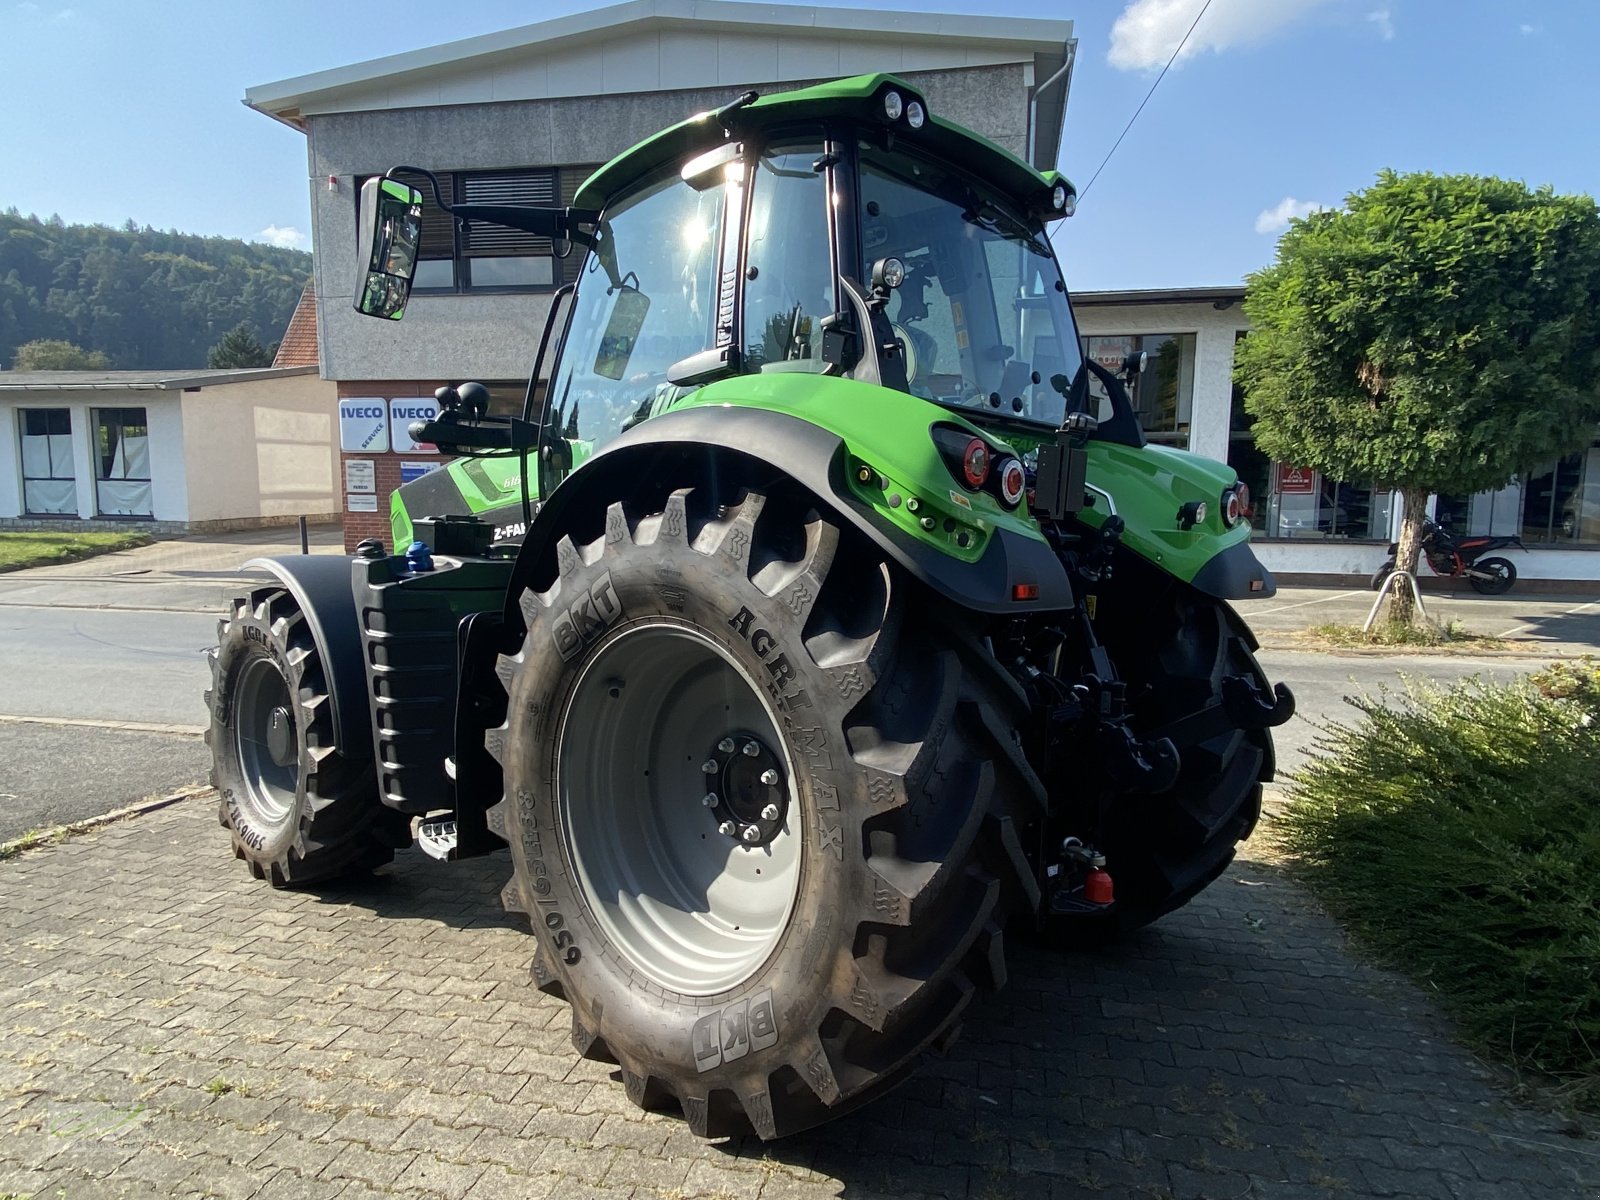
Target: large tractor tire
1174 647
300 808
763 814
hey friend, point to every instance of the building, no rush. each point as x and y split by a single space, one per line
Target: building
176 451
1310 528
526 114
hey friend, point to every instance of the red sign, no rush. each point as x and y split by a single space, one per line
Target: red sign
1296 481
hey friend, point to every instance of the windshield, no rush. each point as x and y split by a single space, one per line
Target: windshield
982 311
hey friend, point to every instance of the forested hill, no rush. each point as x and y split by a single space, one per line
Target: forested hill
143 297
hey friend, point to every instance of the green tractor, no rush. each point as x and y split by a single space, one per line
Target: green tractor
828 618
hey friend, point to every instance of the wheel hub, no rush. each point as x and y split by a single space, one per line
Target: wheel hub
280 737
746 796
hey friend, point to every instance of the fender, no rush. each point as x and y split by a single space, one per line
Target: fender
321 586
703 437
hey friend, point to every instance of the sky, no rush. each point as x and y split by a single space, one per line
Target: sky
133 110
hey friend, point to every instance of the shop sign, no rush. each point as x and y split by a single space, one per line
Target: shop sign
364 424
416 470
403 410
1296 481
360 502
360 475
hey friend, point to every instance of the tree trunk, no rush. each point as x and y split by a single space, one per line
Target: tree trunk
1401 609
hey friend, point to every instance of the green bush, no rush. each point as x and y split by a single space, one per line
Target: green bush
1456 832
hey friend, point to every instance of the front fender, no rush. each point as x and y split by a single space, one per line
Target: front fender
700 440
1146 486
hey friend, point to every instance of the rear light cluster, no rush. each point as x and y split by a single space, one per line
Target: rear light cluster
1235 505
978 467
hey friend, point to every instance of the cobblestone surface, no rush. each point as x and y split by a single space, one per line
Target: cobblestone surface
168 1027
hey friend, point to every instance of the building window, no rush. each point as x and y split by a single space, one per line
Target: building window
49 487
1163 395
491 258
122 462
1558 506
1287 501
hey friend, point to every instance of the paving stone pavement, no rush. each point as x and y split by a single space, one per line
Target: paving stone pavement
169 1027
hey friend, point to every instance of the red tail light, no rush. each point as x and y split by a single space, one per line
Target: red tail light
975 463
1013 481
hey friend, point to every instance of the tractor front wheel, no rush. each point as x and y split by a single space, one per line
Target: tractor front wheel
760 813
300 808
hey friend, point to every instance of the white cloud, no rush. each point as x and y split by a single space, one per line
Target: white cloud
286 237
1148 31
1529 30
1276 219
1385 23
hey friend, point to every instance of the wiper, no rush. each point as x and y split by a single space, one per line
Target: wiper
1012 231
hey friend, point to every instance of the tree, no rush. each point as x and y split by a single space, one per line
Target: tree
238 350
1440 333
48 354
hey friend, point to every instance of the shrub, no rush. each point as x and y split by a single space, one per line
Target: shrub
1456 832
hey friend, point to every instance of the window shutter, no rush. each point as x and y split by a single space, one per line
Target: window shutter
483 240
438 226
571 180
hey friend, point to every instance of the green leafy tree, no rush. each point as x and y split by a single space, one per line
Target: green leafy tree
1440 333
50 354
237 350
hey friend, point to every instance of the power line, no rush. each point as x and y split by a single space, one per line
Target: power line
1143 102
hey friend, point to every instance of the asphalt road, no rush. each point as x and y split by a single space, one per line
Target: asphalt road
83 664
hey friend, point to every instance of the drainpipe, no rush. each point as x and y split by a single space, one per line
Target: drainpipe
1033 101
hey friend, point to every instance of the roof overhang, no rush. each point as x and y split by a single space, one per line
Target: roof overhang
1220 297
505 66
138 381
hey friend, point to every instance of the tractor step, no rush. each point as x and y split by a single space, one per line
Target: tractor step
437 839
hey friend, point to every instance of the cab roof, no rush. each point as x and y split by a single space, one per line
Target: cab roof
858 98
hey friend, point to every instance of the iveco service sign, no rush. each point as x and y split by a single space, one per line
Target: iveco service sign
364 424
403 410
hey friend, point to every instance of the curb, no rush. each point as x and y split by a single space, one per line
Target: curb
60 832
1415 651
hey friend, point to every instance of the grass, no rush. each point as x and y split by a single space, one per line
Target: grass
19 550
1421 634
1456 833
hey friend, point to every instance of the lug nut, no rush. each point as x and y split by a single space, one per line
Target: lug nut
913 504
751 749
727 829
751 834
769 813
709 800
709 766
725 746
928 523
769 777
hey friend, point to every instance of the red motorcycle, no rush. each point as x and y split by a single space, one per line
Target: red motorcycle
1457 558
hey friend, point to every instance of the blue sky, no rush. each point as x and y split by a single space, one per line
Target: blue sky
132 110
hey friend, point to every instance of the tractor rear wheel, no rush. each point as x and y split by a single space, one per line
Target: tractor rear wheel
300 808
760 811
1174 647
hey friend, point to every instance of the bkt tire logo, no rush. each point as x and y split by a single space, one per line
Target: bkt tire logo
730 1033
590 615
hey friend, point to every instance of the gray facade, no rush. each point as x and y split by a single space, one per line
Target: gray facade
578 91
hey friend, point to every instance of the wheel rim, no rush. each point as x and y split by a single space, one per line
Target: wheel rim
266 742
653 768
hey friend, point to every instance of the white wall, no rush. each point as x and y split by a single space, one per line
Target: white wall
168 500
10 462
1214 329
262 448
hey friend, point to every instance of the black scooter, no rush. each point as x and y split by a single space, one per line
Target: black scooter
1455 558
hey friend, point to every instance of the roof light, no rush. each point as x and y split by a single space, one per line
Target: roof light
975 463
1230 508
1058 197
1013 481
916 114
893 105
1071 204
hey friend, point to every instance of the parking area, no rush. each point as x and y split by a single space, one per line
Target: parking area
172 1028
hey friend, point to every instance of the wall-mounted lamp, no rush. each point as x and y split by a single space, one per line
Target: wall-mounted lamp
333 183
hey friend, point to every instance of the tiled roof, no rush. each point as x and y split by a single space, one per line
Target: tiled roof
299 345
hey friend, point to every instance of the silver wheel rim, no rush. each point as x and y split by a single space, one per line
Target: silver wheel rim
266 742
694 907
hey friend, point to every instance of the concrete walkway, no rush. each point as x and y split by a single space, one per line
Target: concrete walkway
169 1027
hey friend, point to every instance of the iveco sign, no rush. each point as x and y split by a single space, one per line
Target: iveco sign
363 424
403 410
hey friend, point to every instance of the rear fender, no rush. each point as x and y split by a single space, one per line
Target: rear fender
756 444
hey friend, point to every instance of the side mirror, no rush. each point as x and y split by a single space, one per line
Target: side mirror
621 332
391 233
